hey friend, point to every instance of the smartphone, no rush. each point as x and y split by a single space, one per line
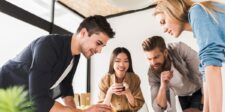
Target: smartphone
123 89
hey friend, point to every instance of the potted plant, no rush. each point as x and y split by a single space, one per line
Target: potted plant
14 99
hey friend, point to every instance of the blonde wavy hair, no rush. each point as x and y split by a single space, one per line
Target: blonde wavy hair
178 9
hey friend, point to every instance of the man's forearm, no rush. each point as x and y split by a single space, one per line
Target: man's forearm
57 107
161 99
69 101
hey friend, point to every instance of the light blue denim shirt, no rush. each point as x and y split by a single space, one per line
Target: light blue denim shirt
210 35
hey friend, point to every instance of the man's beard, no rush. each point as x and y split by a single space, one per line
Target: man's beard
163 67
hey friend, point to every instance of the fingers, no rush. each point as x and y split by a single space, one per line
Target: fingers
125 85
117 88
118 85
103 108
166 75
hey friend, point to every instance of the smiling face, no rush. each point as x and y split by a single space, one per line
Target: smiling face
121 65
170 25
90 45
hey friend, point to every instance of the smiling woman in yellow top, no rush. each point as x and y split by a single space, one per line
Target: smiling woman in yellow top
120 87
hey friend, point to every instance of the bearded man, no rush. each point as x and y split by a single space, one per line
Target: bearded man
173 71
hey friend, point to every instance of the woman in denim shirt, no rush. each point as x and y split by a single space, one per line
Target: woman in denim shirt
205 20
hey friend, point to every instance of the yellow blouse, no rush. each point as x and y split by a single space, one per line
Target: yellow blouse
120 103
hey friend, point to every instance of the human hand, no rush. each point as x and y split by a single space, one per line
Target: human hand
166 76
126 89
99 108
116 88
71 109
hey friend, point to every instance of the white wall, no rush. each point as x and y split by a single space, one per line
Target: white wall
15 35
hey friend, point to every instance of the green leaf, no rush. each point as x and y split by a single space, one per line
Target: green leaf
15 99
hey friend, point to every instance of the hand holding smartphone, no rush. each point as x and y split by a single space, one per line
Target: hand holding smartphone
120 87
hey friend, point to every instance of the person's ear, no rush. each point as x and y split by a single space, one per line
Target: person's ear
83 32
165 52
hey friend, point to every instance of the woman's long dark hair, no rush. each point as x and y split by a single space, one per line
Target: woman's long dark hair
116 52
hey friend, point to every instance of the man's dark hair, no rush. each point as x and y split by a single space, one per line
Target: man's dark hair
154 42
96 24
